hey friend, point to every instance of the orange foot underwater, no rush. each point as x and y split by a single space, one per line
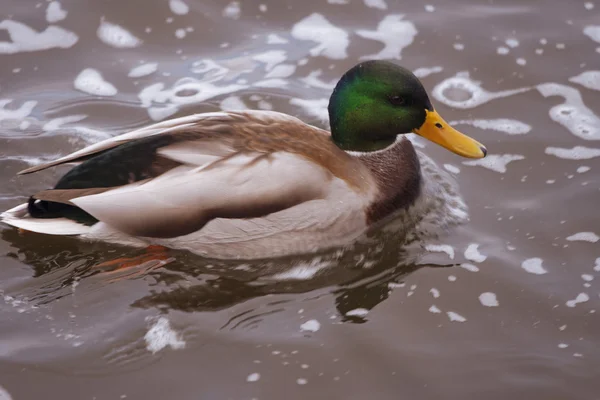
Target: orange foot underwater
152 257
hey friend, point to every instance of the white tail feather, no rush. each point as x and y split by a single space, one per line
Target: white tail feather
19 218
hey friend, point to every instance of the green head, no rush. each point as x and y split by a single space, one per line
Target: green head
377 100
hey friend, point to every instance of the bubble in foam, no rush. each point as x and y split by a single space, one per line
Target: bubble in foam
509 126
143 70
333 41
55 13
576 153
462 92
379 4
26 39
534 266
573 113
394 32
588 79
178 7
584 237
91 81
495 162
116 36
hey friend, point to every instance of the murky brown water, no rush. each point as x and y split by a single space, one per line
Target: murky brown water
502 307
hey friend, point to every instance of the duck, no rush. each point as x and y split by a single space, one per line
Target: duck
252 183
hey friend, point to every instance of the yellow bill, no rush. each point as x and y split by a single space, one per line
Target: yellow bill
438 131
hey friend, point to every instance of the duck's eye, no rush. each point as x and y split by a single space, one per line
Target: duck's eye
397 100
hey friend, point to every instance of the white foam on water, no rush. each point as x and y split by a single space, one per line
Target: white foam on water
576 153
502 50
316 108
92 82
509 126
163 102
338 1
271 58
584 237
180 33
233 10
23 111
458 46
271 83
274 38
379 4
233 103
333 41
495 162
451 168
161 335
357 312
302 271
301 381
394 32
54 12
582 169
262 7
143 70
178 7
57 123
521 61
512 42
116 36
472 253
426 71
434 292
573 113
4 395
562 345
593 32
441 248
282 71
452 278
597 266
488 299
455 317
434 309
451 90
313 80
253 377
310 326
429 8
26 39
469 267
534 266
587 277
581 298
588 79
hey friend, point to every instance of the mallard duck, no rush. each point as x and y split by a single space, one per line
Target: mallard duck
252 184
